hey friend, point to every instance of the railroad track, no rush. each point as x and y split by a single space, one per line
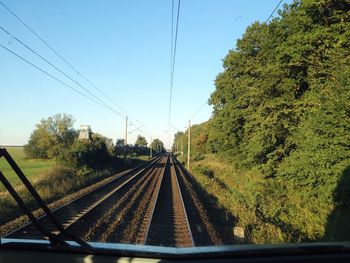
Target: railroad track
168 223
144 206
71 213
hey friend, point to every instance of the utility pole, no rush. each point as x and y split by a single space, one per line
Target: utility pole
189 145
126 141
150 149
126 131
182 146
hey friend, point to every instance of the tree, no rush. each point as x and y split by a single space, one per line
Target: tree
108 141
141 141
51 136
120 148
281 107
92 154
157 145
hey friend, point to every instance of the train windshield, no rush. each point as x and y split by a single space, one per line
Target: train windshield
175 124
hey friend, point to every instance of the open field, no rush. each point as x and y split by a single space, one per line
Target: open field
29 167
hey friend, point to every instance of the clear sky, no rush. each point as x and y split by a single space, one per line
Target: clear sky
124 48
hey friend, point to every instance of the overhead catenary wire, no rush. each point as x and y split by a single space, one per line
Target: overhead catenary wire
58 69
50 75
173 53
274 10
205 103
136 129
199 110
172 38
175 41
68 63
51 48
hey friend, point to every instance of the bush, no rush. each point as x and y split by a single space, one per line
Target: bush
198 157
85 155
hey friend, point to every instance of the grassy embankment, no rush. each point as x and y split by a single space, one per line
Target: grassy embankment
240 193
52 181
235 193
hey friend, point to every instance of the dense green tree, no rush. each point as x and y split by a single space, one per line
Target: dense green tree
90 154
120 148
50 136
157 145
141 141
281 106
271 79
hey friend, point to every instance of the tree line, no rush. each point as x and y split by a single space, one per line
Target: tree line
55 138
281 108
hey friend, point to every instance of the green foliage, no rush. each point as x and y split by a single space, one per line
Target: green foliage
141 141
30 167
119 148
157 146
86 154
274 78
199 138
281 109
50 136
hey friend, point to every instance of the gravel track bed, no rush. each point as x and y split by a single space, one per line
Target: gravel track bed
103 223
169 226
135 231
23 220
202 217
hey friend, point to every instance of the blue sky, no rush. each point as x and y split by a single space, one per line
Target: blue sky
124 48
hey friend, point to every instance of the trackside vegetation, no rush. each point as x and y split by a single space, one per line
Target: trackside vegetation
276 150
58 163
29 166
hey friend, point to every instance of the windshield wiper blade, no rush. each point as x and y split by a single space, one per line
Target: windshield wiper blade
54 239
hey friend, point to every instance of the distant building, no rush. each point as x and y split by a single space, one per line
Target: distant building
85 132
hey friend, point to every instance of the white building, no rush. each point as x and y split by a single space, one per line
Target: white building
85 132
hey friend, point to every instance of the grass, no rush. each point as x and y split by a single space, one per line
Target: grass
140 157
30 167
237 192
272 210
53 183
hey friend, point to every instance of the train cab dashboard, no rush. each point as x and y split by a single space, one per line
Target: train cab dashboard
37 251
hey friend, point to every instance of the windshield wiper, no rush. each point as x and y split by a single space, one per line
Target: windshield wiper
55 239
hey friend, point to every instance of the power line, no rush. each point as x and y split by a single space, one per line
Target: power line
40 38
172 38
175 42
65 60
50 75
198 111
273 11
173 53
59 70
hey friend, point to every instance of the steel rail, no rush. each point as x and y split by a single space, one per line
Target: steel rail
129 211
182 201
146 171
91 192
159 183
159 215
